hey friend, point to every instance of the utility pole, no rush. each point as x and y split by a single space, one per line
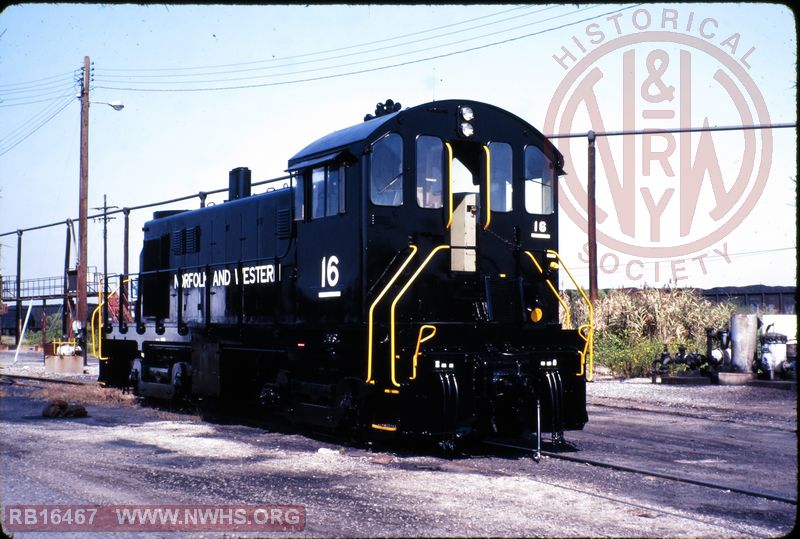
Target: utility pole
592 219
83 206
106 218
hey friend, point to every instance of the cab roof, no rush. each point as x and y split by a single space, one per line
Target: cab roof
345 141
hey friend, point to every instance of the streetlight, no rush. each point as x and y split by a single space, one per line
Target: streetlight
116 105
83 204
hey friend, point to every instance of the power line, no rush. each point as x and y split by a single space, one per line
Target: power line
33 83
43 112
327 68
26 99
708 257
21 138
286 63
349 47
367 70
39 87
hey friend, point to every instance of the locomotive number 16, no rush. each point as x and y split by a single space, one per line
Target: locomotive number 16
330 271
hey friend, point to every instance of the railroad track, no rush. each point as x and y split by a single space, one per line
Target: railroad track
40 379
640 471
722 415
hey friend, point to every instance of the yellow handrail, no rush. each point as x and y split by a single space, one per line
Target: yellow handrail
449 184
394 304
97 348
372 310
420 340
488 187
567 314
59 344
589 338
99 345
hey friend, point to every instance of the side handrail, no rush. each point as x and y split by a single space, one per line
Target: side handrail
589 338
488 187
392 340
420 340
372 310
449 184
97 342
567 313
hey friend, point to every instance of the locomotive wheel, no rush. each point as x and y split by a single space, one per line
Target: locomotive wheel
348 401
448 446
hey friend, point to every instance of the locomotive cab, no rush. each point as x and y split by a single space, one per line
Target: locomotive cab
454 247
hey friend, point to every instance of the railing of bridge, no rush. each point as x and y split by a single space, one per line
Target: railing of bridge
46 287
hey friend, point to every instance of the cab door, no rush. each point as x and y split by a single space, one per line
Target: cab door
327 277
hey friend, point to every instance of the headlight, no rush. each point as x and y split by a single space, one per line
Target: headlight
466 129
466 114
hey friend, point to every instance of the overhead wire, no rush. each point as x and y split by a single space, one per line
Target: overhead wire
31 91
584 269
27 99
341 65
33 124
37 88
285 61
35 82
62 88
327 51
362 71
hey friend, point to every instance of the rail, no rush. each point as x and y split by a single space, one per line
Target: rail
43 287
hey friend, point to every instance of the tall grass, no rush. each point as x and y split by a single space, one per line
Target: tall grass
632 326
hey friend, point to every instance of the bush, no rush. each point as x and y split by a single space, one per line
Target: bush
625 357
633 325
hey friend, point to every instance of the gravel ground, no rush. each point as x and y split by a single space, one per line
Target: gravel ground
124 453
739 403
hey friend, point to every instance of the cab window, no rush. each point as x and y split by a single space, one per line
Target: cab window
327 190
430 179
299 192
319 192
539 182
500 181
386 171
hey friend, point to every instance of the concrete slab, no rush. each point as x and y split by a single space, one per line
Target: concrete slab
735 378
64 364
789 385
686 380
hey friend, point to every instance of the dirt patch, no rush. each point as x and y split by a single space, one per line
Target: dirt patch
83 394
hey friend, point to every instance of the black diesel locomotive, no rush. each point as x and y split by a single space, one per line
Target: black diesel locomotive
403 281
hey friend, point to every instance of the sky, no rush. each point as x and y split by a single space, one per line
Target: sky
210 88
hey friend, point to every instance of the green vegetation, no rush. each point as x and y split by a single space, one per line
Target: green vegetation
632 326
53 331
